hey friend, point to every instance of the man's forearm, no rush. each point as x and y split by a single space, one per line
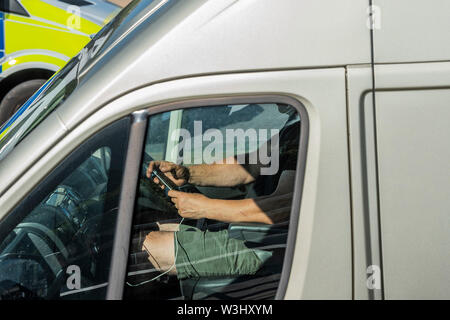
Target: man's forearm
227 174
266 210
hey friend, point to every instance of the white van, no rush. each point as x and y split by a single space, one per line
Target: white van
351 96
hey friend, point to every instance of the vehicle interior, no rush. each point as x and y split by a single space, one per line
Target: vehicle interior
154 207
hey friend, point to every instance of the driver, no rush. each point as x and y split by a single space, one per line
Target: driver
186 251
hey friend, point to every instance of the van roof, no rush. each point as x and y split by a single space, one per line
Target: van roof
198 37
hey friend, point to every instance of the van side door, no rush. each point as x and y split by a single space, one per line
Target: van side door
411 127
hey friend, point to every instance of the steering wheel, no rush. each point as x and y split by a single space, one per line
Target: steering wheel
44 229
47 243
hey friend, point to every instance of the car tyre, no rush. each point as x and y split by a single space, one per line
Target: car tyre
18 96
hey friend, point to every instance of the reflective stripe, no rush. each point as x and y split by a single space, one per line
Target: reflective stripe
37 22
43 58
40 52
43 23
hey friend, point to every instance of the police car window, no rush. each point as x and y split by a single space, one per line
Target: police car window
12 6
214 200
57 243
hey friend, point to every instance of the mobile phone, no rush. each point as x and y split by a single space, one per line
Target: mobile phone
164 180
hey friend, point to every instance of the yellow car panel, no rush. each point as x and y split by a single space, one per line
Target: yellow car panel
37 38
40 9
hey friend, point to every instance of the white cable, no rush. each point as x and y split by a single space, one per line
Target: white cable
165 272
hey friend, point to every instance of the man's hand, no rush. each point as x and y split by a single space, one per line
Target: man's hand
178 174
191 205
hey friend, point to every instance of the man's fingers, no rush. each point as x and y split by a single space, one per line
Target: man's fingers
173 194
170 175
166 167
175 178
181 174
173 171
151 166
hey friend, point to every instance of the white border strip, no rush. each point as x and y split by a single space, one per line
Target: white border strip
83 289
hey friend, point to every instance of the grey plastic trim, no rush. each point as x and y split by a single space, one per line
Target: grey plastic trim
119 257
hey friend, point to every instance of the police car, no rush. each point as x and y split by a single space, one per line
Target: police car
38 37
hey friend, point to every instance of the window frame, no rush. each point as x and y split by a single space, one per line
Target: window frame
136 142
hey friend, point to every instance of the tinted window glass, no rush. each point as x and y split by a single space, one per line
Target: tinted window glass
221 232
235 117
60 237
157 134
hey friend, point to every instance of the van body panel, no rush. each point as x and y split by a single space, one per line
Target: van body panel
411 31
198 38
413 126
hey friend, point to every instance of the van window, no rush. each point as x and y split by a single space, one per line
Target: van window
57 243
212 213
